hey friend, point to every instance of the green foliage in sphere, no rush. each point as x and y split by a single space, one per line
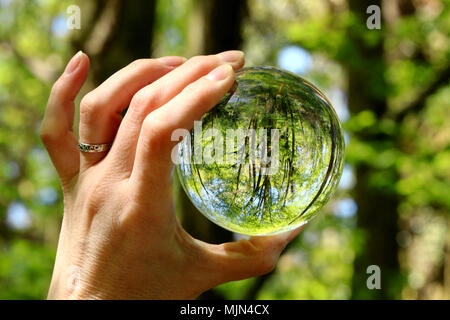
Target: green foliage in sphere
267 157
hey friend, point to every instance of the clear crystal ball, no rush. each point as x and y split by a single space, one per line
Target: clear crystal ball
267 157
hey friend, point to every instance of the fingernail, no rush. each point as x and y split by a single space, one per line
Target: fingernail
231 56
73 63
172 61
220 73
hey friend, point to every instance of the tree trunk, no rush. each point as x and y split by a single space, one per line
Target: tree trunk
222 31
122 32
377 209
222 21
223 24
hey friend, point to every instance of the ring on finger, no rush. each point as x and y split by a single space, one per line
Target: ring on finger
86 147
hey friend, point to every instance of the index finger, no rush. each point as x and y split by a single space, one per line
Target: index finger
154 144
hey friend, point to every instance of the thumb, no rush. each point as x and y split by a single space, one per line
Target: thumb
247 257
57 127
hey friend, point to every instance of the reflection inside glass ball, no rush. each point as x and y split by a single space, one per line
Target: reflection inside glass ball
267 157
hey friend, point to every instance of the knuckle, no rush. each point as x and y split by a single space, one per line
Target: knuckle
144 101
46 136
89 100
197 60
141 63
138 62
141 98
264 260
57 89
153 129
203 62
156 135
49 134
137 107
147 125
248 247
267 256
267 265
89 107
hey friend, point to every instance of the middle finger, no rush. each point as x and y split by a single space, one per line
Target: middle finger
160 92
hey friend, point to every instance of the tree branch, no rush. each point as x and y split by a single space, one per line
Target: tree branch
39 69
418 104
104 29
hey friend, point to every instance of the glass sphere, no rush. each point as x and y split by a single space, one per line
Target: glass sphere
267 157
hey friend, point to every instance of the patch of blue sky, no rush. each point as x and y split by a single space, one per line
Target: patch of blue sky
18 216
295 59
345 208
59 26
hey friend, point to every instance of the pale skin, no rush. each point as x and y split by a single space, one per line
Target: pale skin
120 238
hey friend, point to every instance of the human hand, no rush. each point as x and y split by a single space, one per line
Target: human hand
120 238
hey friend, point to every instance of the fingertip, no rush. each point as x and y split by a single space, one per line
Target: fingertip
84 65
77 66
235 58
288 236
291 235
222 72
69 84
74 62
278 240
85 59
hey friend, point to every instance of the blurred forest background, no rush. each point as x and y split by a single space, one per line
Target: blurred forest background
390 88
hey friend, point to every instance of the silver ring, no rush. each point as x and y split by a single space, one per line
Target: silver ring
85 147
